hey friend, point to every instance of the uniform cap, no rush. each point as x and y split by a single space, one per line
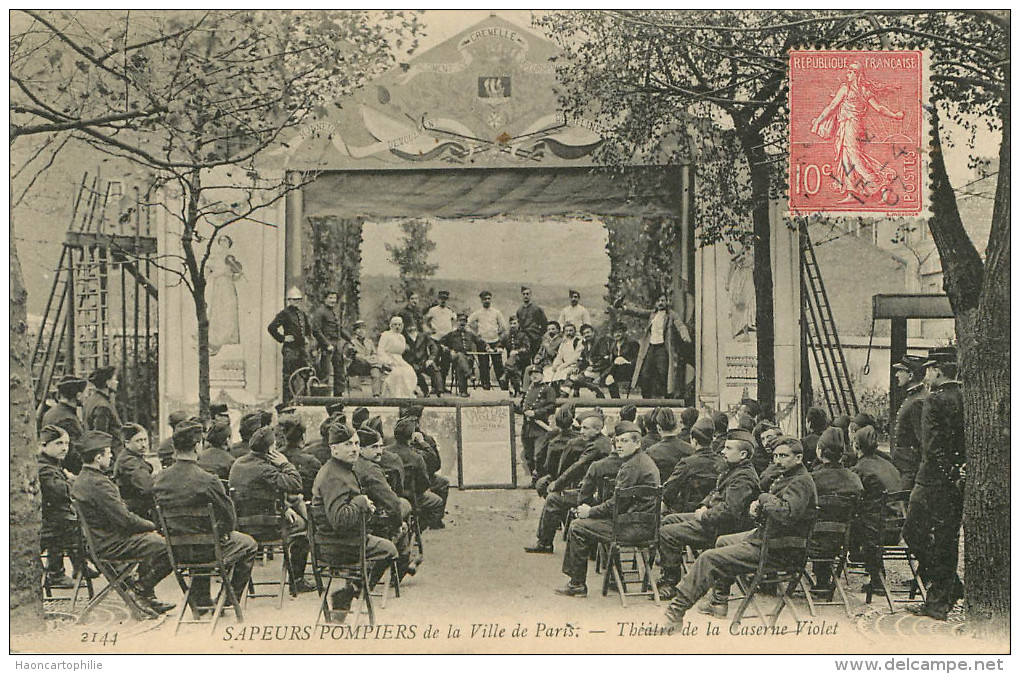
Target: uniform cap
740 434
103 375
250 422
70 385
720 421
689 416
791 442
909 363
941 355
367 437
50 433
339 433
664 418
628 412
359 417
188 433
218 409
294 293
412 411
284 408
93 442
866 438
262 440
444 293
703 429
588 414
358 322
831 437
334 409
626 427
573 292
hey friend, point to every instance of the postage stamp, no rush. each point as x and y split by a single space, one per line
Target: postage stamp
857 139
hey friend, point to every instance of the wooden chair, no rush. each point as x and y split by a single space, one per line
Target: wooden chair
193 541
76 553
115 571
265 521
830 546
335 559
773 570
644 550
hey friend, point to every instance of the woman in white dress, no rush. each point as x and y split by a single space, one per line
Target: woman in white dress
566 361
400 379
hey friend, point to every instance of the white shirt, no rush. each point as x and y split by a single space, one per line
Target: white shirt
578 316
658 332
488 324
440 321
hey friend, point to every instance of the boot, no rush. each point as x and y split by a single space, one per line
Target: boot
667 584
573 589
717 606
540 548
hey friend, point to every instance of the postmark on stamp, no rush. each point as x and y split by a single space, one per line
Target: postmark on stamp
857 133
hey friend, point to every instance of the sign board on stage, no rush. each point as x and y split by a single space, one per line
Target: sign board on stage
486 454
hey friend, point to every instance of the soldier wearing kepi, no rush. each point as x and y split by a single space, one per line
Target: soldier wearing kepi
293 329
906 449
594 523
117 532
787 511
99 411
65 415
935 512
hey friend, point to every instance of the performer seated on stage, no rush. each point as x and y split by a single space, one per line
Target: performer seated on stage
518 348
587 374
566 362
460 343
423 354
364 362
594 523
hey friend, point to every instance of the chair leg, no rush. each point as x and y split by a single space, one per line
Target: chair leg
285 574
807 594
846 601
395 578
609 565
221 599
650 578
184 608
749 596
886 591
323 595
617 569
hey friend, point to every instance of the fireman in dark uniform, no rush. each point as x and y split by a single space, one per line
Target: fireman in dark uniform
906 446
290 439
133 474
59 531
333 342
459 343
250 422
935 512
538 405
428 449
65 415
117 532
390 509
293 329
670 449
694 477
216 457
99 411
878 477
165 449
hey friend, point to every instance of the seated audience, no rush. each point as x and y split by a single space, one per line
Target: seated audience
133 473
216 458
694 476
670 448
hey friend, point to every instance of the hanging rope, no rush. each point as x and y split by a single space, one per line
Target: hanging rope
867 361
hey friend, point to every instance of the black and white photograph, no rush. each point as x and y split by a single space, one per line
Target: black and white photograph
583 331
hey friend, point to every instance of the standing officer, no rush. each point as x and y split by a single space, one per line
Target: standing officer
65 415
293 329
99 410
935 512
906 449
532 319
537 406
332 340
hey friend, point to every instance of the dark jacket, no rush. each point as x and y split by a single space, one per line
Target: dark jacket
55 489
877 477
428 448
239 449
334 489
596 449
104 510
420 351
65 416
667 452
558 441
637 470
307 465
692 480
810 444
100 414
727 504
462 341
533 322
598 472
411 315
677 348
516 340
649 439
541 398
133 475
833 480
217 461
293 321
788 508
186 484
373 483
326 327
254 477
319 450
414 469
906 445
390 462
943 452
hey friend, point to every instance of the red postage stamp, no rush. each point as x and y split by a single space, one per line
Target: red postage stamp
857 139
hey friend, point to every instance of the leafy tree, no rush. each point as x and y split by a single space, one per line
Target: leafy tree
411 258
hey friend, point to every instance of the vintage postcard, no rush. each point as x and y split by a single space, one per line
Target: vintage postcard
536 332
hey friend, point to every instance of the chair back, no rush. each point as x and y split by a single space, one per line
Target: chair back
86 530
789 552
261 518
894 515
830 536
329 550
394 481
604 489
646 520
191 533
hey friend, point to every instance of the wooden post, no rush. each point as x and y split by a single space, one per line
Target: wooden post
460 449
897 349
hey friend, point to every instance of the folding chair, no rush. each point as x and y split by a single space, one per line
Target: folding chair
190 554
414 519
115 571
265 521
830 545
332 560
644 550
76 553
772 571
894 549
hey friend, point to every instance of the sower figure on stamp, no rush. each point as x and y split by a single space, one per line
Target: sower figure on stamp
723 511
660 366
787 510
65 415
935 512
293 329
118 533
333 342
594 523
906 449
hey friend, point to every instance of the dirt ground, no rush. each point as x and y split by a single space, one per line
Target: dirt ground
477 591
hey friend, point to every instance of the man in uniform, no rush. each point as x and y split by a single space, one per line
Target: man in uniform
117 532
694 477
532 319
65 415
555 445
293 329
670 449
594 523
133 474
422 354
439 321
265 474
250 422
411 313
216 457
935 512
490 326
416 479
538 404
99 411
787 511
906 447
165 450
621 354
428 448
364 362
688 418
59 531
723 511
290 438
459 344
575 312
390 509
185 484
878 477
518 352
332 341
831 479
337 506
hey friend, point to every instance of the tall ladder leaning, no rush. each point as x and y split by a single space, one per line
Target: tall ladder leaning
823 338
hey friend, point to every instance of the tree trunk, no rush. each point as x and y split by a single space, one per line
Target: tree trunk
202 316
26 609
765 334
979 294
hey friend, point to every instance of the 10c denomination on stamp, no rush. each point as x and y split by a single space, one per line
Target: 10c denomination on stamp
857 133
